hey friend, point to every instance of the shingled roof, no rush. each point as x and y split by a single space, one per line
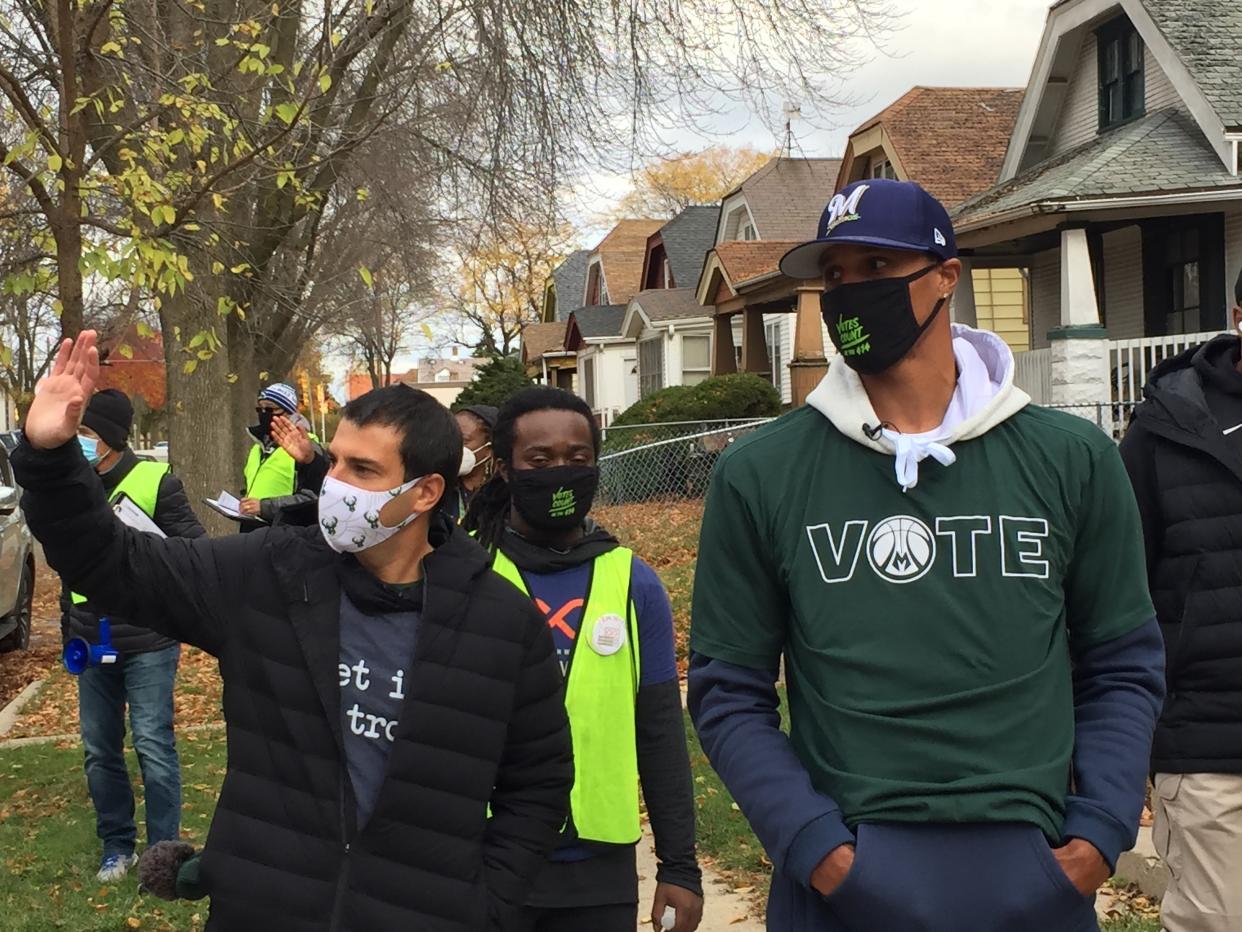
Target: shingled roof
621 254
599 322
540 339
570 281
951 140
1206 35
746 261
1160 153
662 304
687 238
787 196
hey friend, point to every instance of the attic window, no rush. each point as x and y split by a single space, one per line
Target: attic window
1122 85
883 168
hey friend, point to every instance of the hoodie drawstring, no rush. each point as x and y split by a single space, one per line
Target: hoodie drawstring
910 451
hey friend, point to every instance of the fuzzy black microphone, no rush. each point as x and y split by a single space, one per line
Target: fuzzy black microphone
159 866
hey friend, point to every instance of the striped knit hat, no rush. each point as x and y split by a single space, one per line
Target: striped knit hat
281 394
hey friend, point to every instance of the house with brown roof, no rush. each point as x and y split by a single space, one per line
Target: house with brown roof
775 321
952 141
544 355
615 266
1119 194
669 332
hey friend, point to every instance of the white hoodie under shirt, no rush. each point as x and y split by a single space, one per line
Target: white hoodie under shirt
984 396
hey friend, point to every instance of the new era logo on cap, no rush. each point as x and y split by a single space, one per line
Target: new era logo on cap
876 212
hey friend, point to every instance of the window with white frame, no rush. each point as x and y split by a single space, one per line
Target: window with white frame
775 332
883 168
696 358
650 366
739 225
588 380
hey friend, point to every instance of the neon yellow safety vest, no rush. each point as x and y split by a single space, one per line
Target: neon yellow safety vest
142 487
271 477
600 699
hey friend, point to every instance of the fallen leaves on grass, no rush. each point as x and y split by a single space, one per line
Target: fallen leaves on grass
55 710
1125 900
20 668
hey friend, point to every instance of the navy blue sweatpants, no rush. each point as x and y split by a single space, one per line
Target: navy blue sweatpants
940 878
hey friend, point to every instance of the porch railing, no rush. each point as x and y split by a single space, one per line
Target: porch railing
1033 374
1131 361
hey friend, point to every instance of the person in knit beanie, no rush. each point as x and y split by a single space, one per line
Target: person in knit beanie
146 669
275 480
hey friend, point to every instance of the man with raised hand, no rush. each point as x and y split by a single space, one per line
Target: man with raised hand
384 690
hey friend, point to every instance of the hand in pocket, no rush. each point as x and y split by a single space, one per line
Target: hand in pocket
1083 865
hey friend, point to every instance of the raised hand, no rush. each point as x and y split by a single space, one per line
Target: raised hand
293 439
54 416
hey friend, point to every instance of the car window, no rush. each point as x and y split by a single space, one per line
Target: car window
6 475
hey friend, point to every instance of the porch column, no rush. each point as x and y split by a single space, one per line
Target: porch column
1079 347
809 365
755 356
724 356
964 297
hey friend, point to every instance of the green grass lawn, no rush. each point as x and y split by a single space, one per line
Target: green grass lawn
50 852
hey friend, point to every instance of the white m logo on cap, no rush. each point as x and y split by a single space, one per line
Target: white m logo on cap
841 208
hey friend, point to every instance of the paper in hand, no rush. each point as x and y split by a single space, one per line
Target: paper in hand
133 516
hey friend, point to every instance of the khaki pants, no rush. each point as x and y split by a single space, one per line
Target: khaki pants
1198 833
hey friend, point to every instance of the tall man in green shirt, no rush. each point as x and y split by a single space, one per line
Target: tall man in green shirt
954 579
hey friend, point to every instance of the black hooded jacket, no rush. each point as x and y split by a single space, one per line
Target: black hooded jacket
1187 476
483 721
175 518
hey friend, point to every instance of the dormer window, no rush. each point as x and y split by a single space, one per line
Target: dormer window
883 168
1121 55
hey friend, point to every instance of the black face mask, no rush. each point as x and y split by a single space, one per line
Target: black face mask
554 499
872 324
263 430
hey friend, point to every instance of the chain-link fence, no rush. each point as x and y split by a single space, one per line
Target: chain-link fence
677 466
658 461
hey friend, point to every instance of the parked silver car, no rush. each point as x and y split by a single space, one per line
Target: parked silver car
17 564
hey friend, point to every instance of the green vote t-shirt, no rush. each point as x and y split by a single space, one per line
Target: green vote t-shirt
927 635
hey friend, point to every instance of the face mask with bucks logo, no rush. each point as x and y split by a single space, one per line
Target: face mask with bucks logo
872 323
349 517
556 498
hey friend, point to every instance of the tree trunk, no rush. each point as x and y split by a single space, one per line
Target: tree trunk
69 278
244 390
200 431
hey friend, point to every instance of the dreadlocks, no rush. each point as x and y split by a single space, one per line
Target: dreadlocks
488 513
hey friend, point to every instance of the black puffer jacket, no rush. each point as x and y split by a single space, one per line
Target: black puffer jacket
483 722
1188 482
175 518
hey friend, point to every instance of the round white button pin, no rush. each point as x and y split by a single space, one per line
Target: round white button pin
608 635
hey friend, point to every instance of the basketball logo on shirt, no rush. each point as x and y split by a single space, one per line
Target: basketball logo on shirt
901 549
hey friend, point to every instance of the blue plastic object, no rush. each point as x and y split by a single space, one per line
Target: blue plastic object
80 654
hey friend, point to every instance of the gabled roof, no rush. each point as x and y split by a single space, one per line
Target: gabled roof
594 325
951 140
597 323
1207 37
663 304
687 238
744 262
570 281
787 196
621 255
1161 153
540 339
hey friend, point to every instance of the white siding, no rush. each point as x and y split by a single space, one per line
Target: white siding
1159 91
1123 283
781 379
1080 112
1045 296
1233 253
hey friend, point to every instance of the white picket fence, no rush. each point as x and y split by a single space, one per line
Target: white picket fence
1130 362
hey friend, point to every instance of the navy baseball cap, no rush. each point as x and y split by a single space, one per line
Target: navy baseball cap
876 212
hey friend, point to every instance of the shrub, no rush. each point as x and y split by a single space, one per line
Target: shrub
495 383
741 395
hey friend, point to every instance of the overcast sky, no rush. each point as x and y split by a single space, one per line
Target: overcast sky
940 43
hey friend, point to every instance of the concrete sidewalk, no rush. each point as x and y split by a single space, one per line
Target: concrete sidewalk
723 910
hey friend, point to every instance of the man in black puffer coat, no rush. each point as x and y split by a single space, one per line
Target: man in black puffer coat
382 687
145 672
1184 455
